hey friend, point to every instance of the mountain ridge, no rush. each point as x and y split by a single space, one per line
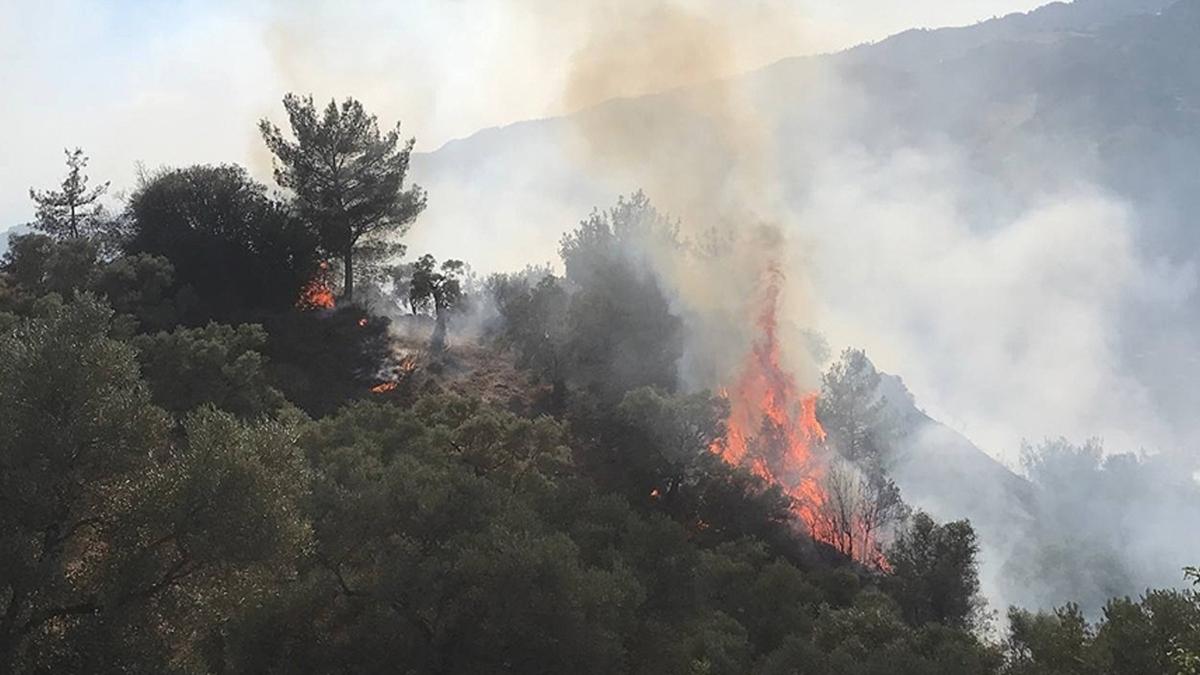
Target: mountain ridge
1055 16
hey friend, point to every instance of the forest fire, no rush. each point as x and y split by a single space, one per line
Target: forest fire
403 370
316 293
773 431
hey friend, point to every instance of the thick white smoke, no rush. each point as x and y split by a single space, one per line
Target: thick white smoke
1004 331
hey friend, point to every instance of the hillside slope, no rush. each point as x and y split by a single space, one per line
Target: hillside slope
1093 97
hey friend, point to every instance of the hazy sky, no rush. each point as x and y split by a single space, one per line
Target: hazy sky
171 83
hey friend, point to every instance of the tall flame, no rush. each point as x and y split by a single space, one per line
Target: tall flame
774 432
773 427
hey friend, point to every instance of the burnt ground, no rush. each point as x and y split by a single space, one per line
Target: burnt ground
470 366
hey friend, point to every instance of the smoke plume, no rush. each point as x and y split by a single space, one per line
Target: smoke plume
703 155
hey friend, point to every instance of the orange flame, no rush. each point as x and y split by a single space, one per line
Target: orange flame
384 387
316 293
774 432
406 367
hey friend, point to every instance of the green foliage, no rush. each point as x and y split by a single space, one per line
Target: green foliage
853 412
138 287
607 327
448 536
117 545
1160 633
73 211
347 177
674 435
239 251
163 508
870 638
38 264
216 365
452 537
1091 514
440 289
625 235
863 505
322 360
655 449
770 598
434 555
533 323
141 288
1145 636
934 573
621 332
1049 643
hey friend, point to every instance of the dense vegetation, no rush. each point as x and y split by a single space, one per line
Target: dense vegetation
198 475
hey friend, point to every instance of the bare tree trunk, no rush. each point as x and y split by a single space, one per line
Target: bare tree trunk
558 395
437 343
348 279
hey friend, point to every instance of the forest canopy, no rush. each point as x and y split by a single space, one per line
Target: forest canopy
215 458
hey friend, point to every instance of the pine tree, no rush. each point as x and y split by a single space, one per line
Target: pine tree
73 211
348 178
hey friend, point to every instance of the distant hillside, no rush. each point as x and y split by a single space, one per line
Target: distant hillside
915 49
1109 89
1102 93
941 472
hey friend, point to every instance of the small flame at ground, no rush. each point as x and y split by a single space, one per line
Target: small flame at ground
404 369
316 293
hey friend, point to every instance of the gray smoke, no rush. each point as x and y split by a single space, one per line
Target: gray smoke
985 221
